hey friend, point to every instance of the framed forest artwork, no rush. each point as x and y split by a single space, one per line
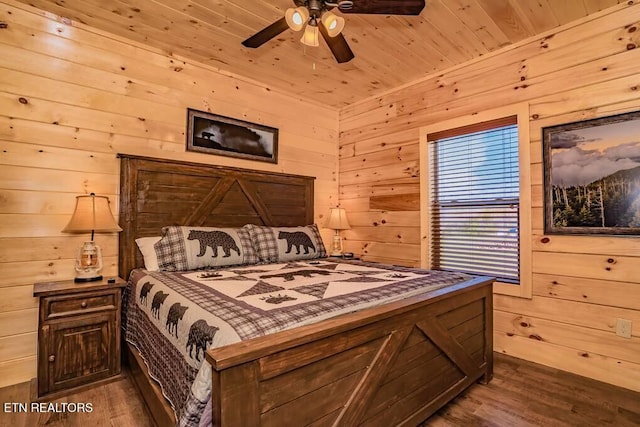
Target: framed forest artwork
592 176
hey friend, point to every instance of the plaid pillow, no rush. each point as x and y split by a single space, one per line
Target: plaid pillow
274 244
191 248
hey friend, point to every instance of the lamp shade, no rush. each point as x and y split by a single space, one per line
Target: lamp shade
296 17
338 219
92 213
334 24
310 36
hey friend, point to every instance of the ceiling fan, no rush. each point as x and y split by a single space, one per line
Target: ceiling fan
316 16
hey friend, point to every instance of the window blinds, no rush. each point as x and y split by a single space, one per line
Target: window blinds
475 199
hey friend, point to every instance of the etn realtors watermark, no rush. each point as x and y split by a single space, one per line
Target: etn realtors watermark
70 407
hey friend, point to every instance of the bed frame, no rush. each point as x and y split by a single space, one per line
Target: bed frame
394 364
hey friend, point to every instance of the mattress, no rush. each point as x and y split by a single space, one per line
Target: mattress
172 318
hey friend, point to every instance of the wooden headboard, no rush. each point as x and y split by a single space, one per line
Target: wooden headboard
155 193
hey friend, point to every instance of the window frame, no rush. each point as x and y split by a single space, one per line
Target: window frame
521 111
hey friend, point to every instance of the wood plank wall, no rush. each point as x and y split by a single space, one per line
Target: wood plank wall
71 97
581 284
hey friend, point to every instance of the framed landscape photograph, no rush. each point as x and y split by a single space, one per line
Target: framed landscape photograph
224 136
592 176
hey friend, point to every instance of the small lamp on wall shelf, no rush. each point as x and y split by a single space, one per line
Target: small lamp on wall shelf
92 214
337 221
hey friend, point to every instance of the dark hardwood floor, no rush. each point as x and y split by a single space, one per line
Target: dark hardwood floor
520 394
526 394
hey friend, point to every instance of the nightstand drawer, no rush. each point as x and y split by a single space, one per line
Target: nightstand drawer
60 306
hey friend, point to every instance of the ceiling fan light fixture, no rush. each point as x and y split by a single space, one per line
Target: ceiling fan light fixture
296 17
310 36
334 24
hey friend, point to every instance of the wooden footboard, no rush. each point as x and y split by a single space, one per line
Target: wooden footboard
390 365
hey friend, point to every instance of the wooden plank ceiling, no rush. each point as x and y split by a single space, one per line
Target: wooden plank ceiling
390 50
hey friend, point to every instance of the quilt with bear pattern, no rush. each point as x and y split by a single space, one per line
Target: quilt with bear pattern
172 318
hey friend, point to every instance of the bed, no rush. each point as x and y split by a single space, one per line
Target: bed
388 364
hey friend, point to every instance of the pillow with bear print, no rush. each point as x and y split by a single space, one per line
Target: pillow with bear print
191 248
277 244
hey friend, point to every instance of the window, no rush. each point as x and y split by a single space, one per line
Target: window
474 182
475 199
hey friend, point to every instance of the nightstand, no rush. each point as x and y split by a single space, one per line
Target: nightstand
78 334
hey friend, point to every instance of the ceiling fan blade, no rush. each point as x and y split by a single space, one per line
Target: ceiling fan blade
386 7
263 36
338 45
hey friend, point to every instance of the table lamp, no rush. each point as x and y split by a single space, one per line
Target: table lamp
337 221
92 214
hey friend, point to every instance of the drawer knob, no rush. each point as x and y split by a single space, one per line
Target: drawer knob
84 304
52 358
